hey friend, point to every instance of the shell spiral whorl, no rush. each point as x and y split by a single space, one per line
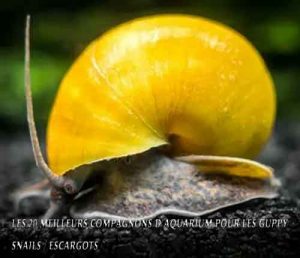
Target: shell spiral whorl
156 77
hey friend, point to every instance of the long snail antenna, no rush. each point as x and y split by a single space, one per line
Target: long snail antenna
57 181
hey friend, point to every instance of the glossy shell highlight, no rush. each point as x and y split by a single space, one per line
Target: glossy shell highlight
168 79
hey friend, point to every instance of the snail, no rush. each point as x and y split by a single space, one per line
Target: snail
160 114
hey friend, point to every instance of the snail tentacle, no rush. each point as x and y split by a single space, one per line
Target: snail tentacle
60 202
58 181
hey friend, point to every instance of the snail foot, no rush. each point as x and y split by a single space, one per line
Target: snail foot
42 198
159 185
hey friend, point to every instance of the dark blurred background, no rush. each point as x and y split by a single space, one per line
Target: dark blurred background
62 28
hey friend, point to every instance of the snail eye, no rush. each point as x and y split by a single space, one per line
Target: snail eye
128 160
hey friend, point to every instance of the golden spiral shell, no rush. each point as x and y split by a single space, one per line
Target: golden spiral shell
177 79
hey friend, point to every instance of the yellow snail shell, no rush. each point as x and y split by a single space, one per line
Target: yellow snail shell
180 80
181 95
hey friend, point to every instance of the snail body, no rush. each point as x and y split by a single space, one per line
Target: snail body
175 94
180 80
